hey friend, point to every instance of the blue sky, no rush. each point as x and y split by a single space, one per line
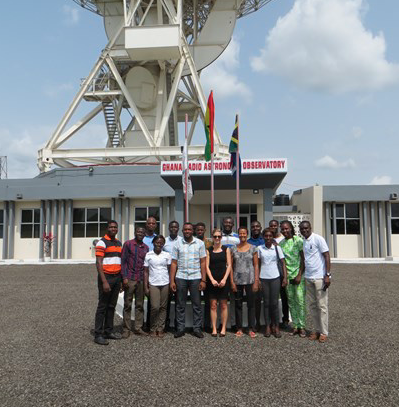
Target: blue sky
316 81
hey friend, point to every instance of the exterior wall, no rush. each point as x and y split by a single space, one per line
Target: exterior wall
226 197
201 213
310 201
1 239
349 246
395 245
25 249
294 218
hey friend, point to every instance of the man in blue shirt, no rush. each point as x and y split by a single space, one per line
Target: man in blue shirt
257 240
188 272
150 226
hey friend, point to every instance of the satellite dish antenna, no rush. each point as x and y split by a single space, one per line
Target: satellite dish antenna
149 68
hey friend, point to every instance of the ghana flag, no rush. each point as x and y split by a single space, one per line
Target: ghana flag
209 125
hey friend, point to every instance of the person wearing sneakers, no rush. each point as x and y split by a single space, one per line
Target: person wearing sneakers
278 237
133 255
245 277
156 284
108 262
318 279
188 272
271 259
292 246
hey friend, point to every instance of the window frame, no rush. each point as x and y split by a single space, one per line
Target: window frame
1 223
345 219
85 222
394 219
142 223
32 223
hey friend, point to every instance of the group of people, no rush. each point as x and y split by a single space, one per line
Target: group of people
264 267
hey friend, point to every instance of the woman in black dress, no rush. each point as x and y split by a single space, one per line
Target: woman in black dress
218 268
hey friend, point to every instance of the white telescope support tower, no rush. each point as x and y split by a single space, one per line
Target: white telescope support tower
150 69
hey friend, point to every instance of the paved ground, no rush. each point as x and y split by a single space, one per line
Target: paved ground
48 358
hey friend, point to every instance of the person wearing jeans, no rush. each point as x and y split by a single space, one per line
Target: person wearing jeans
271 257
188 272
133 255
245 277
318 279
108 263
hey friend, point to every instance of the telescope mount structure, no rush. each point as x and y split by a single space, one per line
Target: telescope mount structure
149 72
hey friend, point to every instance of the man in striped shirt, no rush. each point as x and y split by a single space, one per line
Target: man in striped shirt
188 272
108 262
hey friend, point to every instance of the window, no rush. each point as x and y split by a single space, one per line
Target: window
347 218
1 223
395 218
248 213
142 214
90 222
30 223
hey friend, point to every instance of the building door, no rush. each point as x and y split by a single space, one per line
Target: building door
245 220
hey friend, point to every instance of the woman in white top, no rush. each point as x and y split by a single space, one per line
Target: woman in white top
271 257
156 284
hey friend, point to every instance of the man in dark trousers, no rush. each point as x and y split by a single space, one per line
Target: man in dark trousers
133 255
188 272
200 230
108 262
257 240
278 237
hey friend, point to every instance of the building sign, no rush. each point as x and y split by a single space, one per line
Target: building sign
253 166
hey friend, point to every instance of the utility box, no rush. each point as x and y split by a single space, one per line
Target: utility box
153 42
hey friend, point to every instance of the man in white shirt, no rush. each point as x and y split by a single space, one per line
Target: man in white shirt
173 237
318 279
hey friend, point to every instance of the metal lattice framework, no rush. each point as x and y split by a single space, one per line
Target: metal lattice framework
196 12
147 80
203 6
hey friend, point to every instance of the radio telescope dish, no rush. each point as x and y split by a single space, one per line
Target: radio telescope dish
149 72
247 7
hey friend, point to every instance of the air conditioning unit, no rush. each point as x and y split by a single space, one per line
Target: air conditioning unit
393 196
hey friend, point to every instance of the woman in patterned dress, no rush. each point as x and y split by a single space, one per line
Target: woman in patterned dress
244 278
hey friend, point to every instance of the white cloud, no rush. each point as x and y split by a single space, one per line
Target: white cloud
221 76
52 91
332 163
381 180
357 132
21 146
323 45
71 14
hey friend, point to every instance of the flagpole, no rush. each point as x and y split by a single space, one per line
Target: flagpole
238 176
212 194
186 177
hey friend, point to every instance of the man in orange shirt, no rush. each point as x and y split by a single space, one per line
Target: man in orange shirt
108 262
